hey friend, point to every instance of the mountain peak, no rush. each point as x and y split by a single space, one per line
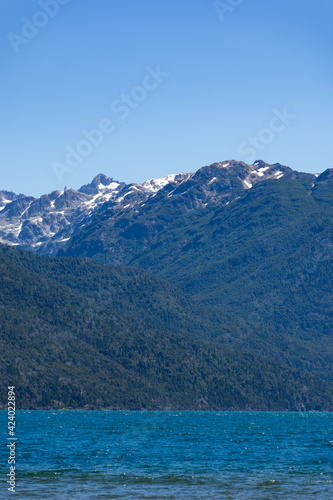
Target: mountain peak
101 182
45 223
259 163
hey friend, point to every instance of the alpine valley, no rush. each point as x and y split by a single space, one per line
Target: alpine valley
206 290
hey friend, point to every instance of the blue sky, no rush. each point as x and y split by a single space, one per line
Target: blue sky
170 86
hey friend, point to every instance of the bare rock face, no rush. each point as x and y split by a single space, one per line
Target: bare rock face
46 223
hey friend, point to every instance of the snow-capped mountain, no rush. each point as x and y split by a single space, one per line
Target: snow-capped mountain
31 223
46 223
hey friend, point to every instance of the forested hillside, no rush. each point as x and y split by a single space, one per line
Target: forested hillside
63 348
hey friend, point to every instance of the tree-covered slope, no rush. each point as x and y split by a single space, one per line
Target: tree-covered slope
262 260
61 347
127 290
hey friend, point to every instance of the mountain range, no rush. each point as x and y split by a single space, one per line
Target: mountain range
230 265
43 224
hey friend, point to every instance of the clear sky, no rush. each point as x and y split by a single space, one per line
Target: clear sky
172 85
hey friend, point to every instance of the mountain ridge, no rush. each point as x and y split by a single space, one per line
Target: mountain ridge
45 223
30 223
230 266
261 256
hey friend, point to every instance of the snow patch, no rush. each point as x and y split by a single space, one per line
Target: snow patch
52 202
108 196
18 229
155 185
100 198
24 211
112 186
5 202
261 171
93 200
122 197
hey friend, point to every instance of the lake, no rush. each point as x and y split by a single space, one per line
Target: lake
170 455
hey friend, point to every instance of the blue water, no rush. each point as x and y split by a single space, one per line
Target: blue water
170 455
